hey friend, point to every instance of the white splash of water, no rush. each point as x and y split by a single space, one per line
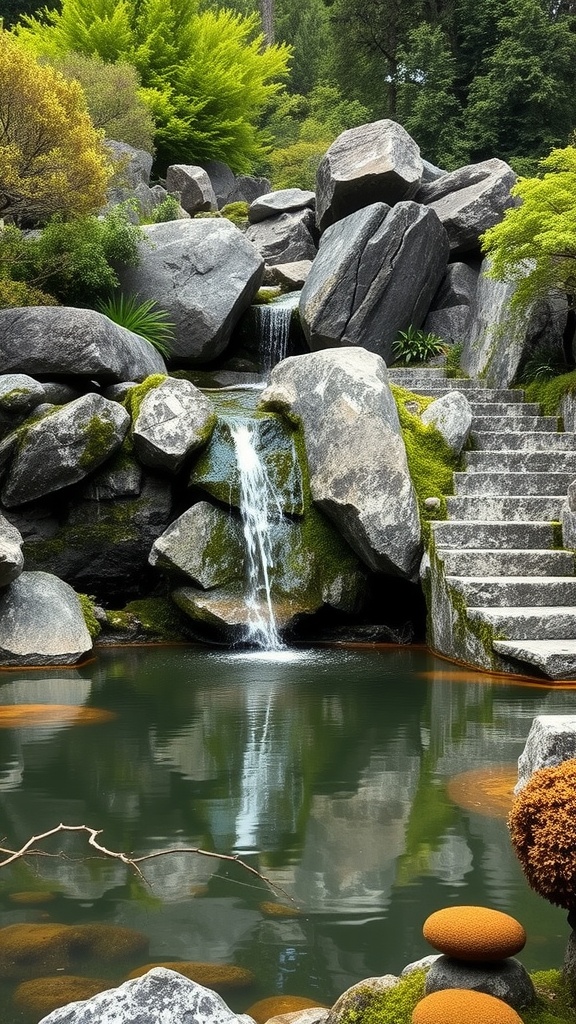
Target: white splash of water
260 509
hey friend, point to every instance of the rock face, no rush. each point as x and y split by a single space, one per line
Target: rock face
135 164
497 342
457 287
76 342
194 186
204 273
452 416
507 980
358 471
375 274
568 515
470 200
376 162
158 997
11 557
291 276
222 179
64 447
41 622
551 740
174 420
449 324
286 238
205 544
285 200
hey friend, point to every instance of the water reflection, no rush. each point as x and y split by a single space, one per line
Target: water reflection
327 770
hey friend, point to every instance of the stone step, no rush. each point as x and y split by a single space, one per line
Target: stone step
520 462
454 533
512 410
524 623
507 562
529 440
507 591
473 394
416 372
520 422
555 658
512 508
512 483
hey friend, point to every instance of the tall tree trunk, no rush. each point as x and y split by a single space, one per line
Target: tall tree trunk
267 12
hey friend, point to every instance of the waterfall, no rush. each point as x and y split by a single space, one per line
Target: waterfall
259 508
273 325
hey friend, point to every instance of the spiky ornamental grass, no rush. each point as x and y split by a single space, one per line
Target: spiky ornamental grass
144 318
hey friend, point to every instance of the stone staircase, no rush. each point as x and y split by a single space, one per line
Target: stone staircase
501 591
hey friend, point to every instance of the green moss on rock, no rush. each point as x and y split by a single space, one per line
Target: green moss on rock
99 435
389 1006
92 625
133 398
549 393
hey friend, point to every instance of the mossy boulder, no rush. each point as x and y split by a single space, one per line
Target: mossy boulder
205 544
173 420
42 995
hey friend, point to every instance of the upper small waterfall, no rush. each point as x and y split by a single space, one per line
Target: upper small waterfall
260 509
273 326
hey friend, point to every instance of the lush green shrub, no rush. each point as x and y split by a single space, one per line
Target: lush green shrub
144 318
207 74
295 166
19 293
113 97
236 212
72 260
168 209
52 159
415 346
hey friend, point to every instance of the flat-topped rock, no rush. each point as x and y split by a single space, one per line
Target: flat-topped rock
551 740
282 201
470 200
555 658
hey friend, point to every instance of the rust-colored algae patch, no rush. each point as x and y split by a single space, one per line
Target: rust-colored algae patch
488 791
107 942
24 716
31 898
271 909
220 977
275 1005
42 995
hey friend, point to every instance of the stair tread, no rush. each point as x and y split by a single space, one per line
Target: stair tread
556 658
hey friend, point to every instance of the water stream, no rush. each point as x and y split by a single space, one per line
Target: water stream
260 508
273 326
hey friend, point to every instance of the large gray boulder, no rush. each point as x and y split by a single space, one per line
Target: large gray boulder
205 273
11 557
63 340
134 165
247 188
375 163
358 470
457 287
551 740
286 238
505 979
375 274
470 200
284 200
174 419
451 324
222 179
41 622
499 340
63 447
158 997
205 544
194 186
19 394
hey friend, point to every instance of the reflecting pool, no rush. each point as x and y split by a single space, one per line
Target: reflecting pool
369 785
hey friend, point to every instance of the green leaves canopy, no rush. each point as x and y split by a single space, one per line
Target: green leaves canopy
206 75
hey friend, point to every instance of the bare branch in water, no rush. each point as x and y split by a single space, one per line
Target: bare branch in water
132 862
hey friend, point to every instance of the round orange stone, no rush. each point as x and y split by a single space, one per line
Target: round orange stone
474 933
264 1009
459 1005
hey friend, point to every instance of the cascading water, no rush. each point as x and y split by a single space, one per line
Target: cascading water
273 326
260 509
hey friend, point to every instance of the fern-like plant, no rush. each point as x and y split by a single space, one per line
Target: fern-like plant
416 346
144 318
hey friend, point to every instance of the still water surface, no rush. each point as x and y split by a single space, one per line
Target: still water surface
333 772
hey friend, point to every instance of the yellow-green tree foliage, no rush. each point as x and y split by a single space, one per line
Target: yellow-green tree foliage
535 244
51 157
207 74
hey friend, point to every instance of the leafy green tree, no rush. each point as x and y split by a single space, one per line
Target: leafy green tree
535 244
51 157
306 28
113 98
206 75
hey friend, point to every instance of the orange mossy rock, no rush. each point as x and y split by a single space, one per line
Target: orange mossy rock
42 995
276 1005
542 826
271 909
474 933
108 942
461 1006
219 977
31 898
27 949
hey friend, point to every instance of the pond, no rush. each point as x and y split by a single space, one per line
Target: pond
370 785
